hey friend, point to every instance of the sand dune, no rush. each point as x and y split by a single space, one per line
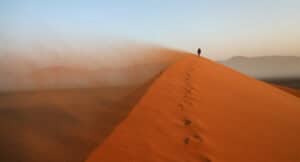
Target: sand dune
196 110
200 111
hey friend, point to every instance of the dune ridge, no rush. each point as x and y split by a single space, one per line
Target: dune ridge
202 111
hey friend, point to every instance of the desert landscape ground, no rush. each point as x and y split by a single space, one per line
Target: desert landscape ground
193 110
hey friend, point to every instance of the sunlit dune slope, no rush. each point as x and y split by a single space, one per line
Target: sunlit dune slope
200 111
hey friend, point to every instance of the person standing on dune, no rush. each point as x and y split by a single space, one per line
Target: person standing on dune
199 52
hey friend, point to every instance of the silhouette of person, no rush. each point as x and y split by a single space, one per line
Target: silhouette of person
199 52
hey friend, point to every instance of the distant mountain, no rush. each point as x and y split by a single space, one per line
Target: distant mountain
266 67
282 70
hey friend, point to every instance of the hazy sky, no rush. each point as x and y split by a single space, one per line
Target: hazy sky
222 28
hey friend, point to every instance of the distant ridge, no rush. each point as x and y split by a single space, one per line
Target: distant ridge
266 67
283 70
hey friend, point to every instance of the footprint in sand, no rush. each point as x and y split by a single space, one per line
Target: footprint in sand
187 122
192 88
188 102
189 97
181 106
198 137
204 159
186 140
187 80
188 91
186 88
185 96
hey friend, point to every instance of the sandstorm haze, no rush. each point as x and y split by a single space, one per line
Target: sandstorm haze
64 64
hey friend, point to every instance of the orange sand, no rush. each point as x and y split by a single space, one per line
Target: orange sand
200 111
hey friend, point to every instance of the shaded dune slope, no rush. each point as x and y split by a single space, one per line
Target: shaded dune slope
61 125
200 111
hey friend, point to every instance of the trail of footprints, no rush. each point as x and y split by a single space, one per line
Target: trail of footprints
186 102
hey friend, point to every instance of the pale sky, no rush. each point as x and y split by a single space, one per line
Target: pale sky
221 28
